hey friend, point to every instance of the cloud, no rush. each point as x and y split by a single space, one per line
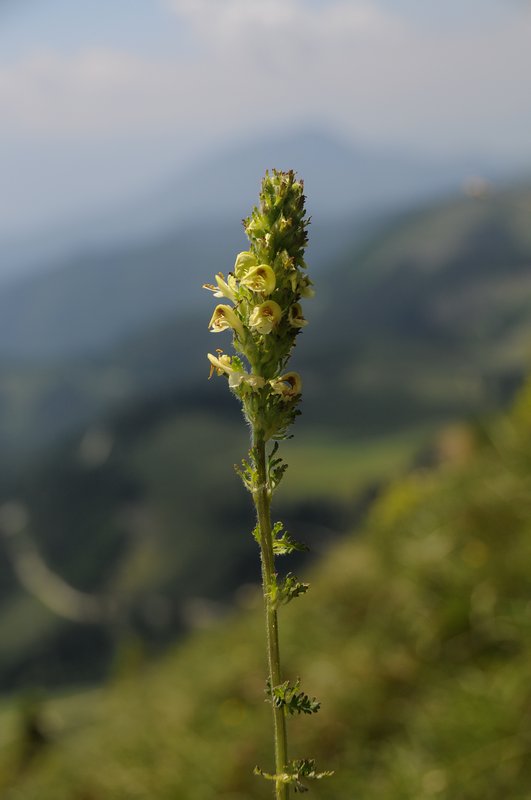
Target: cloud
251 65
94 91
102 122
256 34
244 21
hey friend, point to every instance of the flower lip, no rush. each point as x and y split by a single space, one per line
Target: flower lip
244 261
260 279
222 364
224 288
287 386
225 317
265 317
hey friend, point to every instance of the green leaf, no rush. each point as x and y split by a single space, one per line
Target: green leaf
283 544
290 588
275 468
292 698
247 472
296 771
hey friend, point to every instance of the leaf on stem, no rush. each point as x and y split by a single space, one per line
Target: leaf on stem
289 589
283 544
247 473
296 771
276 467
292 698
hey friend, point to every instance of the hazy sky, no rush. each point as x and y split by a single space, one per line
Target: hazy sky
100 99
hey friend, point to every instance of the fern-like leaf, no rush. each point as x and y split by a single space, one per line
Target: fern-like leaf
292 698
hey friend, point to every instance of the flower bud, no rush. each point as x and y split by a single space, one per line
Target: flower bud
305 287
260 279
257 226
301 284
265 317
225 317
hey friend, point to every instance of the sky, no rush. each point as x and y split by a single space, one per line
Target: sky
102 101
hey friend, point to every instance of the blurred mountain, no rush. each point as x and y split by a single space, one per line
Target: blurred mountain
342 180
433 317
82 288
96 299
430 316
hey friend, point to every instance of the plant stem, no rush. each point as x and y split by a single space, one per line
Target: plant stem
262 501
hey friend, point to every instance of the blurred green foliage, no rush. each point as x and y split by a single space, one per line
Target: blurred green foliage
416 636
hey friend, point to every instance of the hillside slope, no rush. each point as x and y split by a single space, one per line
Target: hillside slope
415 637
432 318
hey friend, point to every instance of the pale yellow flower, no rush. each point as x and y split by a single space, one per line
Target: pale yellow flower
260 279
225 317
222 364
265 317
244 262
296 317
288 385
224 288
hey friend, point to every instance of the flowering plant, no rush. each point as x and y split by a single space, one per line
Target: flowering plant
265 289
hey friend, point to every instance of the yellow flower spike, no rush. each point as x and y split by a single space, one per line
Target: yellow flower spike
273 266
265 317
287 386
244 262
260 279
296 317
224 317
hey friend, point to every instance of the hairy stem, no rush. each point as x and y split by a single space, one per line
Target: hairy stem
262 501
